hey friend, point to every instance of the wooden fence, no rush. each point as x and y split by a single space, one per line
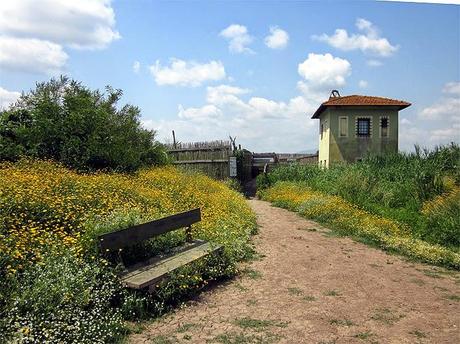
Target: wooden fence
211 158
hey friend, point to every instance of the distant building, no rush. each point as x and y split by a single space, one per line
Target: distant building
351 127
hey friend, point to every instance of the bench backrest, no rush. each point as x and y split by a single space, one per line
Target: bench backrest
139 233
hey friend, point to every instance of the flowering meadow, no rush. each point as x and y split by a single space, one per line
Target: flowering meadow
56 286
348 219
404 202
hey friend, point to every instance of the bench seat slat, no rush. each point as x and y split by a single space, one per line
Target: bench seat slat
149 275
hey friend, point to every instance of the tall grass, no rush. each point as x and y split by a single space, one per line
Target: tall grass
394 186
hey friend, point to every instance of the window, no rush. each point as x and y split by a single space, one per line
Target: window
363 127
343 126
322 130
384 127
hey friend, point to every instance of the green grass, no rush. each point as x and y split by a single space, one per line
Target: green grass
161 340
243 338
251 302
386 316
417 281
257 324
453 298
364 335
332 293
185 327
418 334
295 291
241 287
432 274
252 274
394 186
341 322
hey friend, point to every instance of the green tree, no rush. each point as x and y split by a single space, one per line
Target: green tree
84 129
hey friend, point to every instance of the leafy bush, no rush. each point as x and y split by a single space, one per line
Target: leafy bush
46 209
348 219
67 122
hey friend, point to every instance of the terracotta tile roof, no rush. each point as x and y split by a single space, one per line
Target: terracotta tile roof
357 100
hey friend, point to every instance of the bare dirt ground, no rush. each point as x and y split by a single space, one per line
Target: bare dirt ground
312 287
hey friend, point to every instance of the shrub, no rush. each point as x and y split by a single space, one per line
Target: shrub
67 122
233 184
443 219
64 300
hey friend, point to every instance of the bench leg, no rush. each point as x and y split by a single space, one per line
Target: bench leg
188 234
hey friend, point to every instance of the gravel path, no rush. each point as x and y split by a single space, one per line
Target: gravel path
312 287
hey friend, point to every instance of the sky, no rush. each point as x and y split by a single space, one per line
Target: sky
255 70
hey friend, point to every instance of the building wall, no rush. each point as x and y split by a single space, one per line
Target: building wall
352 147
324 122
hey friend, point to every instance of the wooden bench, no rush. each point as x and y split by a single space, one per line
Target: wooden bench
147 274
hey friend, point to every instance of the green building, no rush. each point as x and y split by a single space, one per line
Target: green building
351 127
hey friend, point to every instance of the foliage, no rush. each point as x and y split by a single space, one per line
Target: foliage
233 184
394 186
64 300
443 214
46 209
348 219
65 121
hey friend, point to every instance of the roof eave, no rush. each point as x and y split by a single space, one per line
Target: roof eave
318 112
323 107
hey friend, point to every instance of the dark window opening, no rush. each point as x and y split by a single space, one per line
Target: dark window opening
364 127
384 127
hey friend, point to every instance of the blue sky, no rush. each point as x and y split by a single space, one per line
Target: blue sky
254 70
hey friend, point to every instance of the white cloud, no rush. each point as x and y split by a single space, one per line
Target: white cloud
82 24
405 121
224 94
446 108
258 122
452 88
278 38
205 113
238 38
374 63
187 73
324 71
441 109
31 55
7 97
445 135
261 124
363 84
33 33
436 124
136 66
369 41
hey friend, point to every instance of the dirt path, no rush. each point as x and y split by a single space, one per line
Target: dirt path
311 287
